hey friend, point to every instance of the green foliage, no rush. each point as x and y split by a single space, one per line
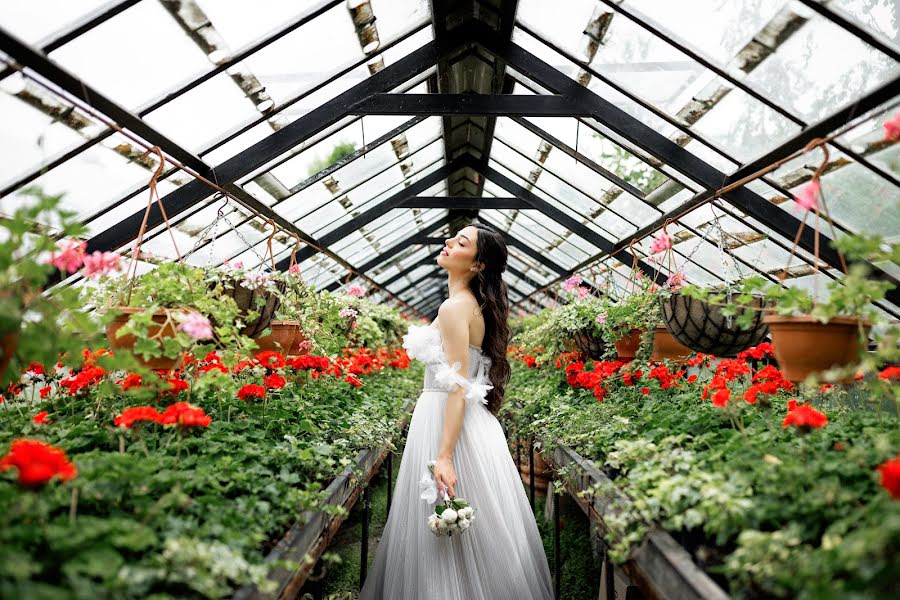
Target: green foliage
630 168
46 324
182 514
778 514
852 295
340 151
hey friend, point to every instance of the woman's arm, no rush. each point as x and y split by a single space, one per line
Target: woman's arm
454 325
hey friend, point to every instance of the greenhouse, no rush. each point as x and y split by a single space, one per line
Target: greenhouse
625 271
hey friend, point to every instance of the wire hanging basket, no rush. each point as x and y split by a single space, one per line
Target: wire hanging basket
701 326
590 344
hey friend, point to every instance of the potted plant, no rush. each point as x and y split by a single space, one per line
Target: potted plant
717 320
257 294
166 311
812 334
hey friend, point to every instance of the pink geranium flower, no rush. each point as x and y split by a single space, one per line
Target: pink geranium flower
70 257
197 326
355 290
582 292
661 244
892 129
100 263
808 195
294 270
573 282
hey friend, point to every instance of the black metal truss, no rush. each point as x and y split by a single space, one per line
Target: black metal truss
496 105
667 151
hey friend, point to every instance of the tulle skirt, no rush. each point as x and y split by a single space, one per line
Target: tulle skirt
499 557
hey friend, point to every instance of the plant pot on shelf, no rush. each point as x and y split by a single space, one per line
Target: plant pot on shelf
542 473
804 346
9 342
164 326
701 326
260 299
627 345
589 344
666 347
282 337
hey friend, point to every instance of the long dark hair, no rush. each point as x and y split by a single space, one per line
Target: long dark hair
493 298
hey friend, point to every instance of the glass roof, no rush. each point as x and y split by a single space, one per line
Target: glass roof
277 104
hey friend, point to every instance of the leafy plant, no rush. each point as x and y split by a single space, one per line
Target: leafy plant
40 324
341 150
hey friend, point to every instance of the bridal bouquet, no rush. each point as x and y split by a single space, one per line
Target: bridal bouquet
452 516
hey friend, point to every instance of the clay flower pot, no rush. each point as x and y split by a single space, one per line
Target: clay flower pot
282 337
8 344
296 348
166 325
804 345
627 346
666 347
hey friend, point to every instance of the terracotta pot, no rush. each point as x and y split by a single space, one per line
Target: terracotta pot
666 347
299 337
589 344
542 473
8 344
701 326
627 346
282 337
804 346
126 342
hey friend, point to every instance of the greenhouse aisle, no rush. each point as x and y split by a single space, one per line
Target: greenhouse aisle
340 579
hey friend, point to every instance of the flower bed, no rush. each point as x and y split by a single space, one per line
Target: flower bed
180 489
775 489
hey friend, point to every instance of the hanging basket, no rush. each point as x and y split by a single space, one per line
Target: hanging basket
590 344
702 327
261 300
805 346
627 345
666 347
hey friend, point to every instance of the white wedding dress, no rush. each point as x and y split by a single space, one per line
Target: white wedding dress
500 557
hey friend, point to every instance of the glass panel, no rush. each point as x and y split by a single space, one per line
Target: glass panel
817 70
112 60
36 20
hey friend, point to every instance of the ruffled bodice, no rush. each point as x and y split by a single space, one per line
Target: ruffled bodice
423 342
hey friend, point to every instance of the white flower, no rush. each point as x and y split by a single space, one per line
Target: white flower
463 524
449 516
466 512
442 526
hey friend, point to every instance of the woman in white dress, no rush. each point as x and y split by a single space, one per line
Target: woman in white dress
500 556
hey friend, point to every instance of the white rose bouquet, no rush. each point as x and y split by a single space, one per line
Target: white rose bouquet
452 516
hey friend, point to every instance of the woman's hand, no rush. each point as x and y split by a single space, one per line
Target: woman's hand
445 476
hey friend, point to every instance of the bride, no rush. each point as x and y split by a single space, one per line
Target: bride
500 556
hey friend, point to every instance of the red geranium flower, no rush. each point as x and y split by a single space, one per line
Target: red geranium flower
35 368
176 386
252 391
131 380
721 397
40 418
132 415
890 476
353 380
37 462
270 359
186 415
274 381
645 391
890 374
44 391
804 417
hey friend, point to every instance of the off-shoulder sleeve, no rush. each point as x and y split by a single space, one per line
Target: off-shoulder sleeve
448 377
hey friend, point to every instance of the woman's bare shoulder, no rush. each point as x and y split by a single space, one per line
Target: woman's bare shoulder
460 306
